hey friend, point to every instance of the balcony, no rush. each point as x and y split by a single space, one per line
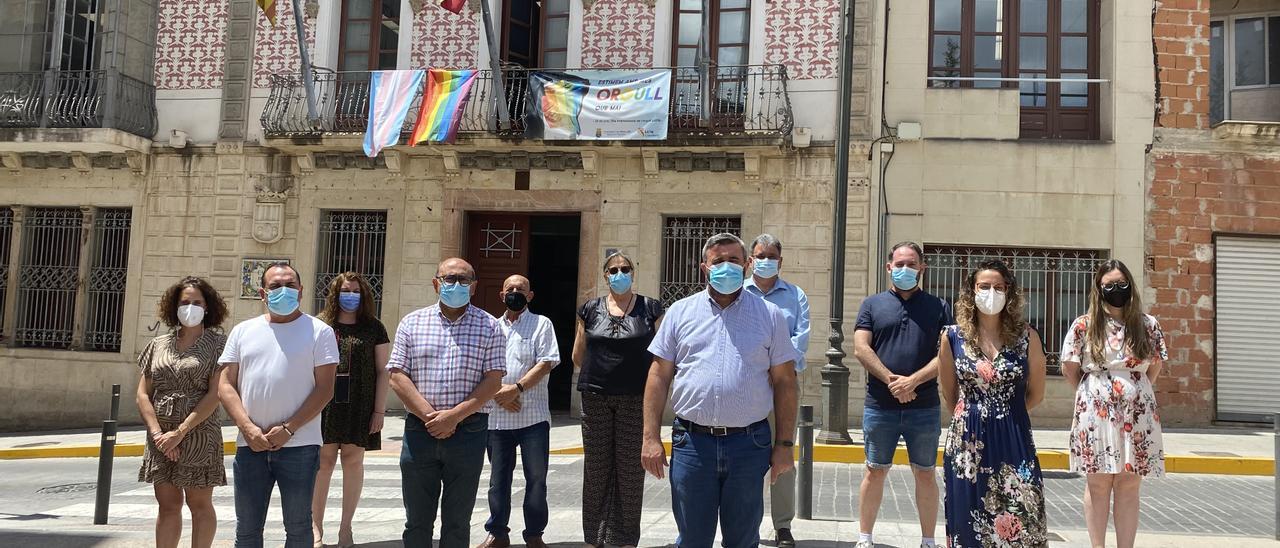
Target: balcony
736 104
75 111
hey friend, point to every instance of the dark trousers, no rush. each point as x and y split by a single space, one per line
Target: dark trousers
535 453
613 480
428 467
256 475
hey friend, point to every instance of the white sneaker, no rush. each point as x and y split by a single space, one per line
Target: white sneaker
865 544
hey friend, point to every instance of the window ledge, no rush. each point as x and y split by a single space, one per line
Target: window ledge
69 140
1254 132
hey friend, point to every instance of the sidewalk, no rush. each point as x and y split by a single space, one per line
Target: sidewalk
1235 451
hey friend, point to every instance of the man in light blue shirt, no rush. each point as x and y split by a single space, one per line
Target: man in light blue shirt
765 281
726 355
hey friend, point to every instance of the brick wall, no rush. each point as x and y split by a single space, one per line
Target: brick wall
1181 40
1194 195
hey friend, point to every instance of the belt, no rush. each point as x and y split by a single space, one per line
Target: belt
717 431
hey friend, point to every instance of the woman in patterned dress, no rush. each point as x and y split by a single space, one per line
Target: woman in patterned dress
178 398
1113 355
992 367
352 422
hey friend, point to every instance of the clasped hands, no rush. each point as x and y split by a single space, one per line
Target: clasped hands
903 388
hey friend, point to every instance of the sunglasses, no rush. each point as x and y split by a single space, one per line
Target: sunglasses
616 269
1115 285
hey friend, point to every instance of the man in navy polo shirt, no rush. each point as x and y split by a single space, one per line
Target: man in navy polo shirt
897 343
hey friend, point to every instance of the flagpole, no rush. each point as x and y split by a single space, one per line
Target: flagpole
704 65
495 67
308 79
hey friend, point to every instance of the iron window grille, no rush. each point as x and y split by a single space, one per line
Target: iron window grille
1055 283
108 274
48 278
354 241
6 237
682 240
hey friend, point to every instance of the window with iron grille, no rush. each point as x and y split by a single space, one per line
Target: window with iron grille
354 241
6 237
108 272
682 240
1055 283
48 278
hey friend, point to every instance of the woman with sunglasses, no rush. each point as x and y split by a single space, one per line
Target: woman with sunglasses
611 349
1113 354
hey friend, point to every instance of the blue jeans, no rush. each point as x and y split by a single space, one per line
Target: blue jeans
256 475
535 453
881 429
719 478
429 466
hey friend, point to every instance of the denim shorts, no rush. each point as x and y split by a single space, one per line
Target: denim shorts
882 428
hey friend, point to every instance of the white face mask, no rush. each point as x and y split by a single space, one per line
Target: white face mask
989 301
190 315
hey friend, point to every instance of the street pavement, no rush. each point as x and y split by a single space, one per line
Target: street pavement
50 502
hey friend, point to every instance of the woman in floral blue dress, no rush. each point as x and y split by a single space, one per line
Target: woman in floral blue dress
992 366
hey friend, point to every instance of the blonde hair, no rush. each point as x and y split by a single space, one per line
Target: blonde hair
1135 328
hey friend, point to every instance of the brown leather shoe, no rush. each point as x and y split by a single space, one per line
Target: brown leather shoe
535 542
494 542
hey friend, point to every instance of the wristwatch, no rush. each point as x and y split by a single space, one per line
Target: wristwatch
520 387
785 443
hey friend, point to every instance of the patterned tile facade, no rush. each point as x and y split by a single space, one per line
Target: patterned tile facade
804 35
190 41
618 34
442 39
276 50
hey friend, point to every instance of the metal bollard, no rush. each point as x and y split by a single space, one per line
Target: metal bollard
1276 472
804 470
106 454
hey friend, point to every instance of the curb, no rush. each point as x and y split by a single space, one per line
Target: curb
1049 460
844 454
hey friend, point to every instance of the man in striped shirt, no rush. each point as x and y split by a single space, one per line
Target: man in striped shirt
520 416
447 361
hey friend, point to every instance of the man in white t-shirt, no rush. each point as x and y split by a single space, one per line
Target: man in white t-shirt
277 375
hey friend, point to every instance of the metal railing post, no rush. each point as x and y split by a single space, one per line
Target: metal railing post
106 454
804 470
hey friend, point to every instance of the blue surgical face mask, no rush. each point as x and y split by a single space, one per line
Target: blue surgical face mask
765 268
620 282
726 278
455 295
282 301
349 300
905 278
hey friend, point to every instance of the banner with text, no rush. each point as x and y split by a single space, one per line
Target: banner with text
598 105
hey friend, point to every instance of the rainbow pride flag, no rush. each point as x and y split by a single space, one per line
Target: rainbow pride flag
446 95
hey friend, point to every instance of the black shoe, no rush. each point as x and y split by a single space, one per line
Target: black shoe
784 539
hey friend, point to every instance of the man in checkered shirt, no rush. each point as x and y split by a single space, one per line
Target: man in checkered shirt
448 359
520 416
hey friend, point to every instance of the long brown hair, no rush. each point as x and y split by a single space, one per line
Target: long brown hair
1012 322
364 313
1135 327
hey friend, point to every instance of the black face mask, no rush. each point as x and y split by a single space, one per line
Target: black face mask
516 301
1117 297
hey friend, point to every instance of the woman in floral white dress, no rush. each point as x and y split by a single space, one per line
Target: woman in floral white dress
1113 354
992 369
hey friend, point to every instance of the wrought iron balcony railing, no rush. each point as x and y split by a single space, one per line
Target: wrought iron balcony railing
77 99
724 101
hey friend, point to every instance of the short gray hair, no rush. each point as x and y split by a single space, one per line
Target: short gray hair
766 240
723 238
618 255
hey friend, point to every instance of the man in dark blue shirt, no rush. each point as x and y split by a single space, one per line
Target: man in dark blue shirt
897 343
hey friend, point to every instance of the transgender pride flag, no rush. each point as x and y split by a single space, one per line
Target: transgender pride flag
391 92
